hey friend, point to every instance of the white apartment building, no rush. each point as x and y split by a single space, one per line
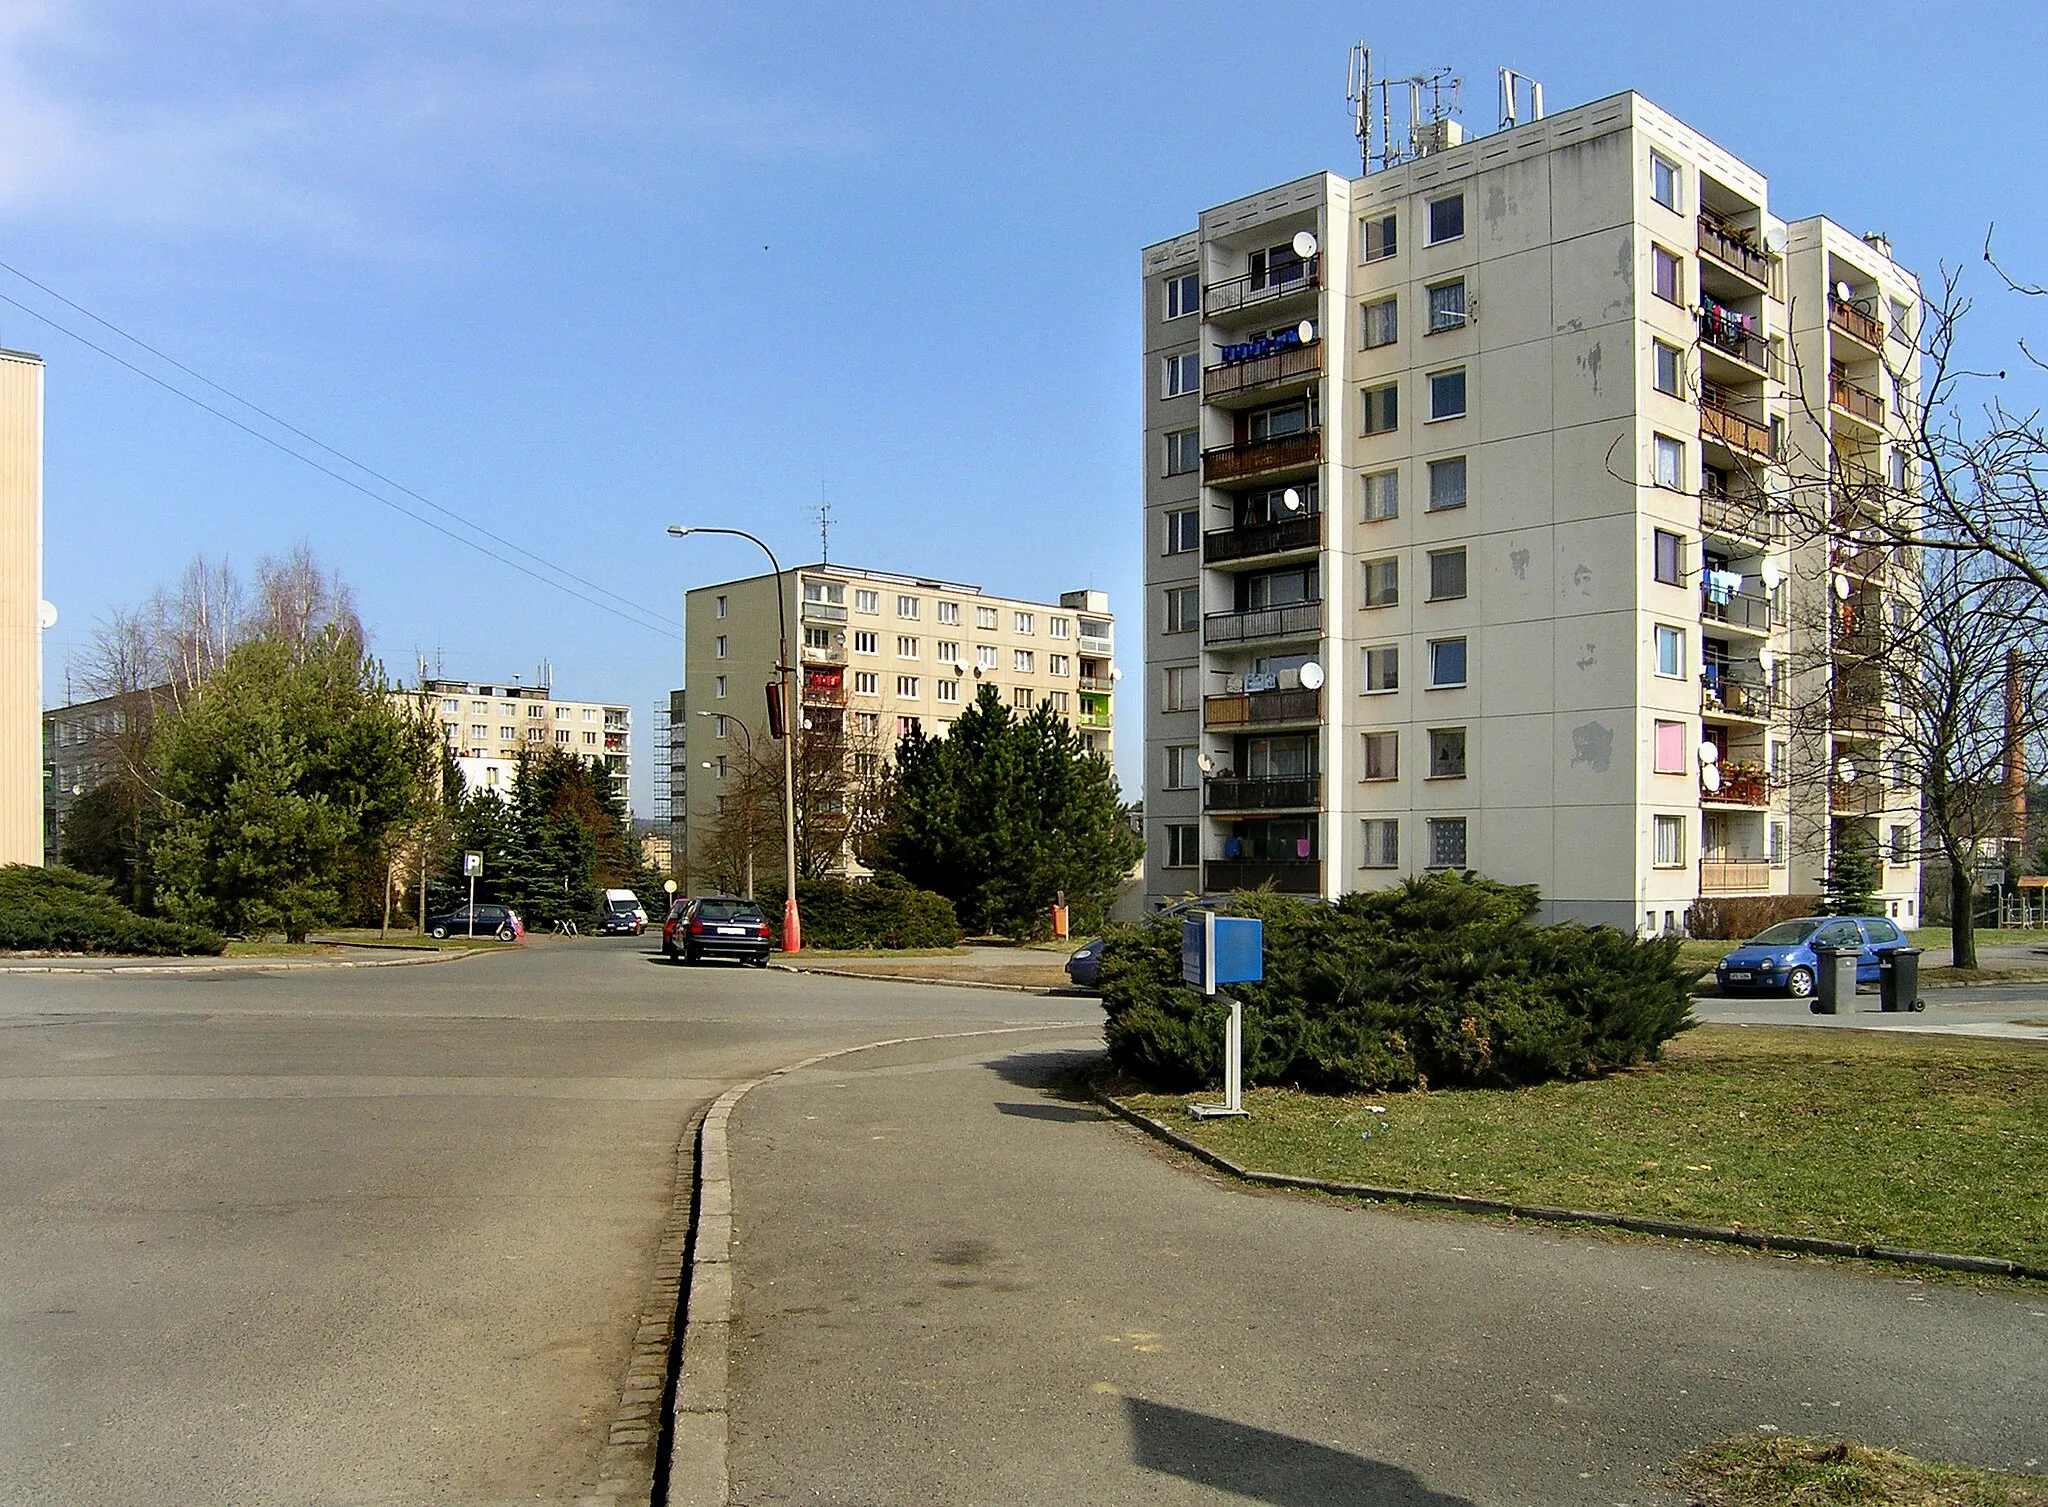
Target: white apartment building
877 653
21 606
486 727
1464 538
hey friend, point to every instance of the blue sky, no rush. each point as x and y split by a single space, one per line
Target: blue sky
578 271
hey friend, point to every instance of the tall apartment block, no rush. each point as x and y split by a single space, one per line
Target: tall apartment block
21 605
485 726
1464 529
877 652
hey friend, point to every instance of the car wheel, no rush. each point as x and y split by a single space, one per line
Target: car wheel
759 962
1799 983
439 934
504 934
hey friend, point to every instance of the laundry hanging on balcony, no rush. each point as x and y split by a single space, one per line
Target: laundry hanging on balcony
1721 586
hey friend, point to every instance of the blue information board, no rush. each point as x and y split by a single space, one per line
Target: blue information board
1218 950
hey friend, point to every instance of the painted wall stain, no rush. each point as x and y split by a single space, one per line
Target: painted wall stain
1593 746
1589 659
1582 577
1518 562
1589 363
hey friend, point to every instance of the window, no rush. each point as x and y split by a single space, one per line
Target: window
1376 239
1023 661
1382 409
718 646
721 769
1021 622
1379 322
1382 757
906 685
1381 493
1446 219
1183 847
985 617
1667 740
948 613
908 607
1183 609
1446 842
1275 267
1382 668
1902 844
866 683
1668 552
478 732
1183 451
1380 843
867 601
1447 394
718 687
1447 307
561 735
866 642
718 727
1447 483
1183 533
1667 276
867 723
1670 462
1183 295
1058 700
589 714
985 656
905 726
1667 369
1664 181
1446 663
1058 665
721 604
1020 698
1774 845
1668 842
817 638
946 690
906 646
1060 627
1183 375
1446 753
1182 773
1670 650
1381 583
1446 574
947 650
590 737
825 591
1177 687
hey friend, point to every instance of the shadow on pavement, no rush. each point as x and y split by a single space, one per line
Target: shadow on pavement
1268 1467
1066 1112
1051 1071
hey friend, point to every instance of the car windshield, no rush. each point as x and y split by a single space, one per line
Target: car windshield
729 910
1785 933
622 906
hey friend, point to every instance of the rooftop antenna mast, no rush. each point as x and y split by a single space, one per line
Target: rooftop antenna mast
824 527
1378 147
1512 86
1359 92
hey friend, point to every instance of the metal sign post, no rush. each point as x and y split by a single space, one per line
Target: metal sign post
1224 950
472 865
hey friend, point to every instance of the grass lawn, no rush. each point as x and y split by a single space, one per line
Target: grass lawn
1786 1471
1934 1143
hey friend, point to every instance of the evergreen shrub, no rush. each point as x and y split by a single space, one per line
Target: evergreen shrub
62 910
1737 918
885 912
1440 982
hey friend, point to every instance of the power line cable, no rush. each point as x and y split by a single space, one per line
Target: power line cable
647 617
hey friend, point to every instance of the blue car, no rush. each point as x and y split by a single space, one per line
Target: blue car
1781 958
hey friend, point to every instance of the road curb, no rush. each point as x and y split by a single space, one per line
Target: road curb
236 965
693 1470
1052 991
1761 1240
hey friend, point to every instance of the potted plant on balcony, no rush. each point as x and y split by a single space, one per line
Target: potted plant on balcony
1744 782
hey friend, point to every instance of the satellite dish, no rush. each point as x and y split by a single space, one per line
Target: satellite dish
1304 244
1312 676
1204 763
1291 499
1710 754
959 669
1772 575
48 616
1774 239
1842 587
1710 778
1846 770
977 672
1305 332
1842 292
1766 660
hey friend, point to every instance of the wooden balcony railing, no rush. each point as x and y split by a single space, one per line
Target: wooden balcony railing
1257 457
1252 708
1232 377
1855 798
1721 876
1739 789
1853 715
1298 620
1859 402
1721 423
1728 246
1867 329
1735 517
1273 537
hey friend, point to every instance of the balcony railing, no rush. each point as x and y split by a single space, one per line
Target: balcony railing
823 612
1858 402
1857 325
1253 708
1290 876
817 693
1721 423
1721 876
1753 614
1740 517
1271 538
1095 647
1256 288
1728 246
1858 631
1086 718
1290 452
820 654
1739 788
1858 559
1303 792
1233 377
1722 695
1854 715
1855 798
1299 620
1724 331
1097 683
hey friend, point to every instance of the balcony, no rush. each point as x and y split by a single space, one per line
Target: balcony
1856 714
1749 519
1097 683
1724 697
1745 614
1263 375
1254 458
1262 708
1257 289
1860 403
1304 792
1721 876
1854 557
1290 876
1855 798
1732 249
822 612
1721 424
1277 537
1298 620
1726 332
1857 632
1742 784
1087 718
820 692
1865 329
819 654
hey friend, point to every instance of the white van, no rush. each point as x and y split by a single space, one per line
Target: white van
614 899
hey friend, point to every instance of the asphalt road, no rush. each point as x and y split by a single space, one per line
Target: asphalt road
950 1286
364 1237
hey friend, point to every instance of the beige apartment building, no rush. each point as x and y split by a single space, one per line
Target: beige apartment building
877 652
486 727
21 605
1464 529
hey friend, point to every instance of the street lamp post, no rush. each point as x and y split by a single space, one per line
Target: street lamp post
792 929
747 733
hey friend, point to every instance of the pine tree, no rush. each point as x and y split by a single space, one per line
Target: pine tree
1851 886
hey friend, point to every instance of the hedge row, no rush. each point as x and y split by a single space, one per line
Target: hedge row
62 910
882 912
1737 918
1441 982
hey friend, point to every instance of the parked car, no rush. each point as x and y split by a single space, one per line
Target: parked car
622 919
716 926
628 899
1781 958
499 921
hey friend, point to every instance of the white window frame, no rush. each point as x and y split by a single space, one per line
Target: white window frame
1379 496
1183 295
1667 841
1440 321
1465 651
1664 169
1388 656
1379 583
1379 322
1379 842
1437 416
1434 825
1182 375
1660 635
1429 220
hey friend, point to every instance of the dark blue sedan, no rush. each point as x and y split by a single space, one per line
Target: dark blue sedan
1781 958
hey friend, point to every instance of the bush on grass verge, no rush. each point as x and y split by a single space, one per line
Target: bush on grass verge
885 912
62 910
1737 918
1440 982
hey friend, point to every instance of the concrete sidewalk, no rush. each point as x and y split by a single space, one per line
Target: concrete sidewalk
950 1286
